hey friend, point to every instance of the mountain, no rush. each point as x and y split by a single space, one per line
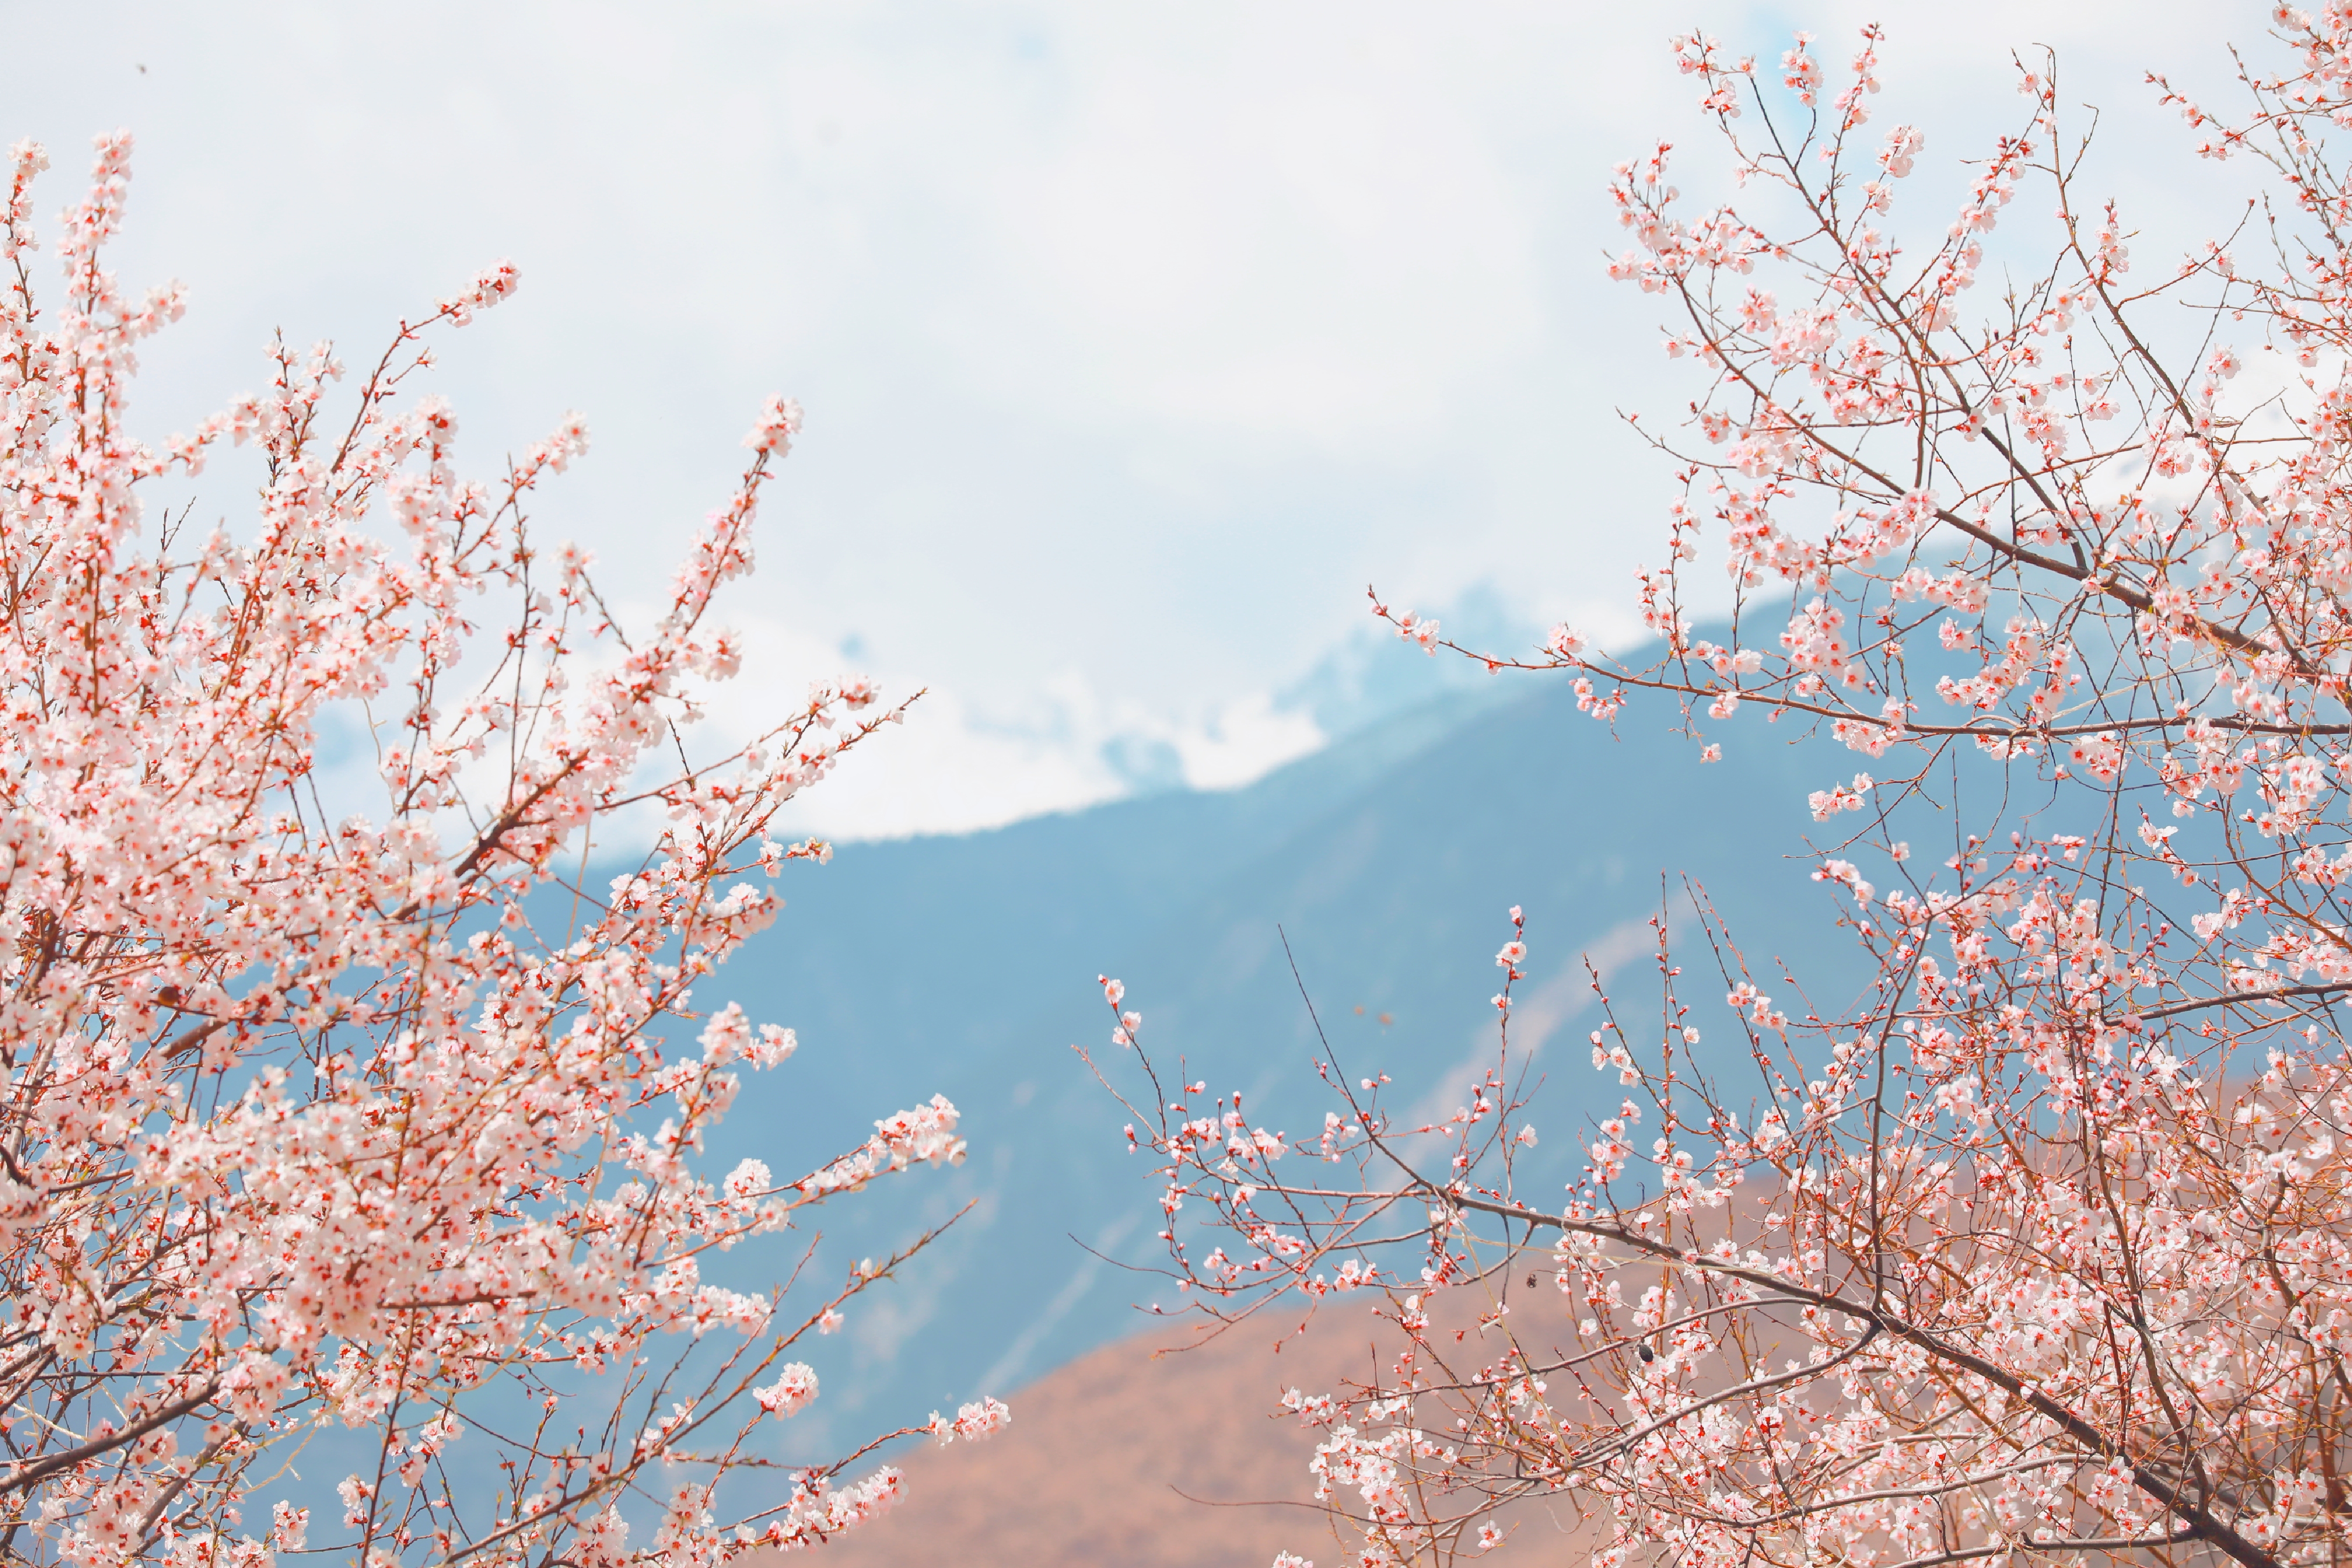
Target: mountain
1125 1455
1150 1456
966 965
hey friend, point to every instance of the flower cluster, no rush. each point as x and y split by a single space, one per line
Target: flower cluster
309 1119
2041 1253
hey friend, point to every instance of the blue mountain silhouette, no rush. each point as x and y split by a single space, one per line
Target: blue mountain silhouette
966 965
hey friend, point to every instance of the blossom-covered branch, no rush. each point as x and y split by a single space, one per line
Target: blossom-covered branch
383 1121
2040 1251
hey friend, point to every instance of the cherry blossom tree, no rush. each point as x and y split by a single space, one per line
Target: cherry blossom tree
375 1135
2040 1250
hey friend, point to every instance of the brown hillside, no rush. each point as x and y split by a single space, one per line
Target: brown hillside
1145 1460
1101 1455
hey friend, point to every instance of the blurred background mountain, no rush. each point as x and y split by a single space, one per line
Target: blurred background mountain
967 965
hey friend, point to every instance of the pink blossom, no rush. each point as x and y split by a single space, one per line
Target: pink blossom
310 1124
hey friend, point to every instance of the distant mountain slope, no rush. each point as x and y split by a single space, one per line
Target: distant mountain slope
966 965
1147 1458
1127 1458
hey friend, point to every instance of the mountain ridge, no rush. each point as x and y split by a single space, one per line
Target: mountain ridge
1383 868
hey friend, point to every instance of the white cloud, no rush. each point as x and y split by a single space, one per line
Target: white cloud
1136 339
960 762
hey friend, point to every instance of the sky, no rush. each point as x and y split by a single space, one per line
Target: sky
1136 340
